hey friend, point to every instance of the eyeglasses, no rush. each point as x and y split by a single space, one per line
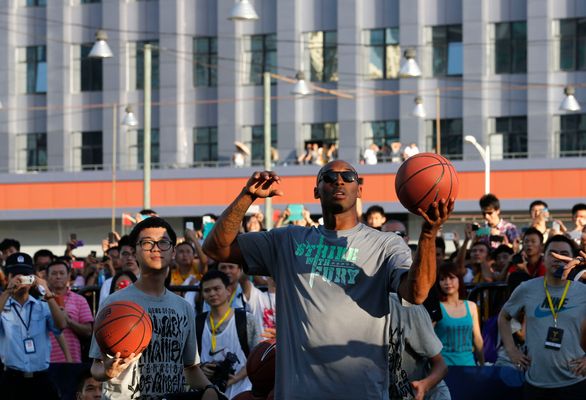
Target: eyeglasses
128 253
148 245
332 176
399 233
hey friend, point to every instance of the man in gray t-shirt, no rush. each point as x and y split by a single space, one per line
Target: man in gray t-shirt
416 365
554 309
169 364
334 280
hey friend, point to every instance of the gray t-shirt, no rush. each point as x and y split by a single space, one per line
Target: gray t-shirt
549 368
413 343
332 294
159 369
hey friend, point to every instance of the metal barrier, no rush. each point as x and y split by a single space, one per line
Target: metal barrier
489 297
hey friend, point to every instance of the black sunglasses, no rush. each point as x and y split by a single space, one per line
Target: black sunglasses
332 176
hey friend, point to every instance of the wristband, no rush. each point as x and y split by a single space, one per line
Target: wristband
215 388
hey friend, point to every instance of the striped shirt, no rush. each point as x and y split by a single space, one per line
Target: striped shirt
78 310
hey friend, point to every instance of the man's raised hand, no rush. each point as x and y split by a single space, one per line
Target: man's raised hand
264 184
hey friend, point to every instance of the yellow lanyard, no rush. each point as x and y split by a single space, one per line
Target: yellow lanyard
554 312
232 298
215 327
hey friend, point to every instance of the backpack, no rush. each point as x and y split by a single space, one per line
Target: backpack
240 319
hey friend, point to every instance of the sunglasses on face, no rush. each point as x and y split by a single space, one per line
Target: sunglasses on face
332 176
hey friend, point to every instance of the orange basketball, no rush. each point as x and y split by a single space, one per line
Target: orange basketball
123 326
260 367
425 178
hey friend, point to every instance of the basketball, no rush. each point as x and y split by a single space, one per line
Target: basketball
260 367
423 179
123 326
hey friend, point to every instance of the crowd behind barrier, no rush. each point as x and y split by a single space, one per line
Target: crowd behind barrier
489 282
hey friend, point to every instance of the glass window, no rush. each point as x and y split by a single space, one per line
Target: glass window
514 133
154 147
384 53
573 135
33 59
382 133
451 137
91 150
323 56
140 64
205 144
36 3
447 50
260 56
573 44
324 133
511 47
32 155
91 70
257 135
205 61
90 1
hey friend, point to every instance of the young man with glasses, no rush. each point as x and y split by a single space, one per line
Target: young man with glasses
170 360
333 280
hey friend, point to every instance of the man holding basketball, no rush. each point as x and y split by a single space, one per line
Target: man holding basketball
170 360
333 284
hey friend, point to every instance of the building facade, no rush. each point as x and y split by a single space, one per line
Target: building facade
497 70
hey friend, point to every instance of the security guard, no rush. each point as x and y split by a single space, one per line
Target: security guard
25 323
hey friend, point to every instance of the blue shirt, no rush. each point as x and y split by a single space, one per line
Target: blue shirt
13 332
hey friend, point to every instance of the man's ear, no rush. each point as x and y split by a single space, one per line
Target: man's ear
359 192
315 193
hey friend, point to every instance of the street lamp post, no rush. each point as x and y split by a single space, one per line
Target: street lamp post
147 127
267 141
485 155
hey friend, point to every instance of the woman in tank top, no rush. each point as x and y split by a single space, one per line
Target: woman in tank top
459 328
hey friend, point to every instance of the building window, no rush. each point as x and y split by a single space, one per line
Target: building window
573 44
511 47
32 151
36 3
138 61
447 50
205 61
514 136
87 150
451 137
384 53
90 70
257 141
323 56
573 135
260 56
205 144
325 133
32 65
155 159
381 133
90 1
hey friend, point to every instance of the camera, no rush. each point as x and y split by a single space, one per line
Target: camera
27 279
517 259
223 370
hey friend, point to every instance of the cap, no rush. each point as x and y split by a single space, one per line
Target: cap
19 264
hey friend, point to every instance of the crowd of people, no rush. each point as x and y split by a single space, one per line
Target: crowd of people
365 311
